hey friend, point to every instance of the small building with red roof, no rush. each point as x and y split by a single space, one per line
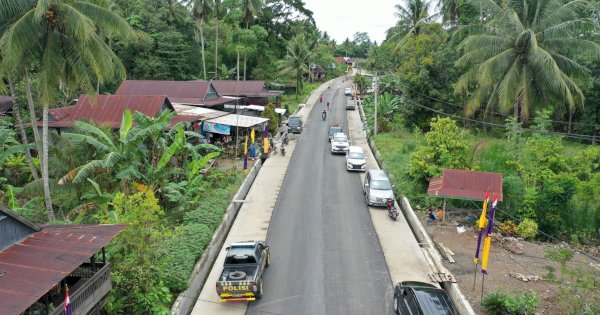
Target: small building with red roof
38 263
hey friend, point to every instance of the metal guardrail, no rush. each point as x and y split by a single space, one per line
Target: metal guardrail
84 298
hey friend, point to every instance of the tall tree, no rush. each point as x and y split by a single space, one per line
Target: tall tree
250 8
17 112
412 15
295 63
218 11
63 38
200 8
523 56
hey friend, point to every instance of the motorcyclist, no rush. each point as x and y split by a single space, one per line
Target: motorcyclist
327 105
321 99
324 114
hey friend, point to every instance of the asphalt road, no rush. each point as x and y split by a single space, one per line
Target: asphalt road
326 257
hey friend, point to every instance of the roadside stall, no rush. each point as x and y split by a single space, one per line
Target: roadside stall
230 131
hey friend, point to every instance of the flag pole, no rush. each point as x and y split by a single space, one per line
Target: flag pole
475 276
482 282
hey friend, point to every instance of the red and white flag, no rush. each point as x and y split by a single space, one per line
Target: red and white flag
67 305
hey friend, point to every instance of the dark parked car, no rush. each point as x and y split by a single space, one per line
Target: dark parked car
294 124
420 298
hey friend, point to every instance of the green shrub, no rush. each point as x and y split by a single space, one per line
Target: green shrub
493 303
182 252
517 303
527 229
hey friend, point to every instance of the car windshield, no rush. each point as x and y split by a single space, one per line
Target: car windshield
340 139
294 121
381 185
356 155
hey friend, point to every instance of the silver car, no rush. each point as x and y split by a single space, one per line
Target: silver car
377 188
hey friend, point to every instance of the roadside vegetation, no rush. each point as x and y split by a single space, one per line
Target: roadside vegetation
145 173
498 86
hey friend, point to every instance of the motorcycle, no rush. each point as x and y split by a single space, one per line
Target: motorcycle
285 140
282 151
324 115
392 211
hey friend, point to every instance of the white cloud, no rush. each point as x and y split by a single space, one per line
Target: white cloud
341 19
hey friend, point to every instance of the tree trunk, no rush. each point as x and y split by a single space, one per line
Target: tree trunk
36 133
245 58
47 197
217 49
17 111
202 47
570 129
238 65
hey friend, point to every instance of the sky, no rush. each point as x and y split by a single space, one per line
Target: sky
342 18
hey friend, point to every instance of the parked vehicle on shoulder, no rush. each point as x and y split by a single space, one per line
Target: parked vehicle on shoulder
242 276
350 105
339 143
355 159
333 129
348 91
377 188
295 124
413 297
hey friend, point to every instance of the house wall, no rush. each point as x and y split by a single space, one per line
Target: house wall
11 230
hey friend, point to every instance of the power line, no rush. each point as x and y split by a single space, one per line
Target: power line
566 135
493 112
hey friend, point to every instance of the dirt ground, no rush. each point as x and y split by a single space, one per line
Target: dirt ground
501 263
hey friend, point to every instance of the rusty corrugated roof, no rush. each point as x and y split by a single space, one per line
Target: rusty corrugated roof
466 184
35 265
251 88
198 92
106 110
175 90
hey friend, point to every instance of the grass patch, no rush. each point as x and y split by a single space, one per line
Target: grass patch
291 101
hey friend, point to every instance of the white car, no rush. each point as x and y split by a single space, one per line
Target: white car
355 159
348 91
339 143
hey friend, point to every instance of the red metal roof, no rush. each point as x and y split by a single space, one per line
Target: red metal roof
251 88
106 109
466 184
198 92
35 265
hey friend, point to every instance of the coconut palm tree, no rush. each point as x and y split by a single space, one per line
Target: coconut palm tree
412 15
63 38
295 63
450 10
250 8
200 8
218 11
523 56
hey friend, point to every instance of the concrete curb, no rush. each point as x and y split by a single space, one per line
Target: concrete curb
461 303
432 255
186 300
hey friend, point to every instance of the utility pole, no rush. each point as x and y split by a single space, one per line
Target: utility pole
376 92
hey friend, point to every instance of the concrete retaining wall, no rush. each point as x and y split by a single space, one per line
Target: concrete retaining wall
185 301
453 290
432 255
